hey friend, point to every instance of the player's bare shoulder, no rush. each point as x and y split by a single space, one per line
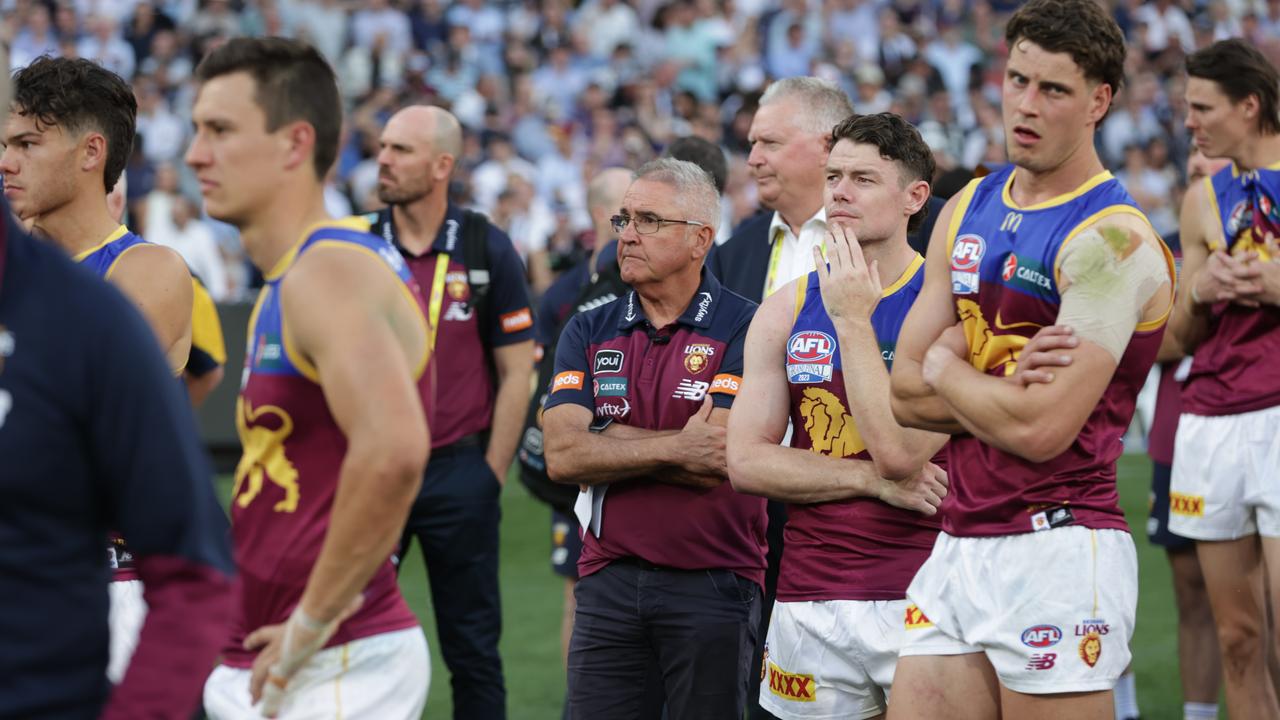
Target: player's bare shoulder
1199 225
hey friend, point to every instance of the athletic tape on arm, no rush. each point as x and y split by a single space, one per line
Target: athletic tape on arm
1110 275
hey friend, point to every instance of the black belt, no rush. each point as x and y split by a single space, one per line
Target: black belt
466 443
646 565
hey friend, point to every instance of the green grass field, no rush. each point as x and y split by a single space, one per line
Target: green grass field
531 603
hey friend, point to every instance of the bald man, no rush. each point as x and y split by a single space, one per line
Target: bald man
482 315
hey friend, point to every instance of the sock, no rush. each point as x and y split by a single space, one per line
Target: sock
1199 711
1126 697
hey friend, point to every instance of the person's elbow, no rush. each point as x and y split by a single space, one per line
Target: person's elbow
1040 442
742 472
558 452
398 460
895 464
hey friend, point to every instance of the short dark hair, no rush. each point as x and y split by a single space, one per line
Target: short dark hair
703 153
1240 71
897 140
78 95
293 83
1079 28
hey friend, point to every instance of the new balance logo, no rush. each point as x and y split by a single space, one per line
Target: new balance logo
691 389
1042 661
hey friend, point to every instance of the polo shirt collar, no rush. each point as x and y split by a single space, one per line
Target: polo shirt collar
701 309
448 237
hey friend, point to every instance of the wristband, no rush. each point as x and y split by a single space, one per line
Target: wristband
1195 296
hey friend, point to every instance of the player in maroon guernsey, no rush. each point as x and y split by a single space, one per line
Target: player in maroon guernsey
818 354
331 409
1030 594
1225 489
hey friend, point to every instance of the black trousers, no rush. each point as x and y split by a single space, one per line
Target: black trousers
455 520
696 627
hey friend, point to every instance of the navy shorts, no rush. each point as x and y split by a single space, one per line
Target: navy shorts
1158 521
566 544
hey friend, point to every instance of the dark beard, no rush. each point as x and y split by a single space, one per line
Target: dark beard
400 196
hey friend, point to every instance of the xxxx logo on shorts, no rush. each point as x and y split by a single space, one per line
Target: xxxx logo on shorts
1188 505
791 686
915 619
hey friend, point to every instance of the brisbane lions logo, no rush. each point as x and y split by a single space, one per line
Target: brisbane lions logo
831 430
263 432
987 350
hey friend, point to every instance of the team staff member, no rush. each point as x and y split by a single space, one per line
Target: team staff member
673 558
331 408
484 375
1225 490
1051 240
67 138
818 354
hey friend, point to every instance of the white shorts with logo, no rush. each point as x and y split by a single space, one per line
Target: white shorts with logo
381 677
124 619
831 658
1053 611
1226 476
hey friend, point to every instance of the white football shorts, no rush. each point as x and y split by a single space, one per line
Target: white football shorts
127 612
1226 476
830 659
380 677
1053 610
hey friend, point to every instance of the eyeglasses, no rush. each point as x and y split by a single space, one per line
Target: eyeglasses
645 224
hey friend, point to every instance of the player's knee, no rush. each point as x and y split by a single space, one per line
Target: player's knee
1242 647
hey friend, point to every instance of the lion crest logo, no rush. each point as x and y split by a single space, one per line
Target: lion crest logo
830 428
264 457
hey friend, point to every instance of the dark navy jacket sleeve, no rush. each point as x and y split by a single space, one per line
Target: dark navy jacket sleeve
571 382
508 293
159 496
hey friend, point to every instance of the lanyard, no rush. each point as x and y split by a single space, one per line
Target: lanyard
437 281
437 297
775 256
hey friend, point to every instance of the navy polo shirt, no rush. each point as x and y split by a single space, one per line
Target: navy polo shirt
612 361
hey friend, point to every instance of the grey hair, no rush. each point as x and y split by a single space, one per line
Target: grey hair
823 103
695 189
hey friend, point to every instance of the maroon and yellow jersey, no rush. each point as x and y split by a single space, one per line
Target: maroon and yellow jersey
859 548
1004 281
1235 369
293 451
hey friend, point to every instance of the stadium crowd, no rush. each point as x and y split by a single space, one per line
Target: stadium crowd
549 93
478 156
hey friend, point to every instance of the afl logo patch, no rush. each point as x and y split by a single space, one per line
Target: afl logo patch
967 253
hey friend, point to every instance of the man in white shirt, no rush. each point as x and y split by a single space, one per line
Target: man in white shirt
789 136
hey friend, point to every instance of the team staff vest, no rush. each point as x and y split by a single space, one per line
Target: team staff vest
860 548
101 259
1004 281
293 451
1235 370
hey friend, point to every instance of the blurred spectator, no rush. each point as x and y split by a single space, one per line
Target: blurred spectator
35 37
164 134
378 26
1167 26
193 240
491 177
105 46
607 24
322 23
216 18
